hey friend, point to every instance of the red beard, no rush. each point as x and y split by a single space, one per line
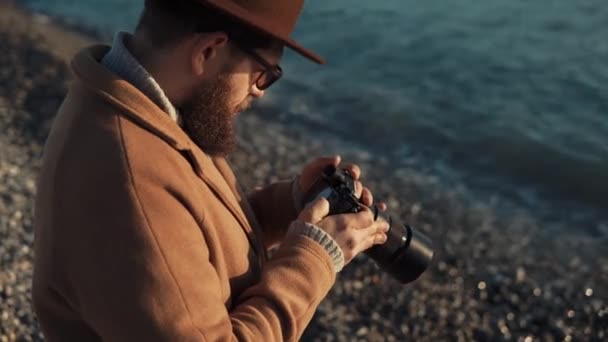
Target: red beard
208 118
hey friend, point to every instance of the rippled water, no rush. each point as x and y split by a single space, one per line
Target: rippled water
511 92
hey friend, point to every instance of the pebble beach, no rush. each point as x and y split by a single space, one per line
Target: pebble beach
495 276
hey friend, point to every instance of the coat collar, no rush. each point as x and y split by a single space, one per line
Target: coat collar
133 104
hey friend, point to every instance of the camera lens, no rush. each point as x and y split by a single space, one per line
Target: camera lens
405 255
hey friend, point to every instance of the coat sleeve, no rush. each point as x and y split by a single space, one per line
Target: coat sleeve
274 209
141 271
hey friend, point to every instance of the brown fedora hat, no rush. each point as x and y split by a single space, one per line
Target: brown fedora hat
276 18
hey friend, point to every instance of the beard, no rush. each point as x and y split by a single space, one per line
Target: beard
208 117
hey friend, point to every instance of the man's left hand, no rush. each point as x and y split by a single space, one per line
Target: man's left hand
312 171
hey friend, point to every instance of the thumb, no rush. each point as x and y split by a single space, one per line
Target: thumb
315 211
324 161
312 171
319 164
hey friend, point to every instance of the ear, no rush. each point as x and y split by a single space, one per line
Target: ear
205 48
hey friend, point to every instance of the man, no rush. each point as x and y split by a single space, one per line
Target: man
142 233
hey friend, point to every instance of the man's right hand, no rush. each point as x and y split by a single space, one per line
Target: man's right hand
354 233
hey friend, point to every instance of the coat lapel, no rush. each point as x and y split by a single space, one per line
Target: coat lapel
226 171
149 116
217 174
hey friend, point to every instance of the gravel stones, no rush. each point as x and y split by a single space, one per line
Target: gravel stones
494 277
32 84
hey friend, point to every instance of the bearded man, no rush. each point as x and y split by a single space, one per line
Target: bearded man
142 233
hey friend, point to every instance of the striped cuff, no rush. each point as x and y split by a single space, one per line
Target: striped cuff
320 236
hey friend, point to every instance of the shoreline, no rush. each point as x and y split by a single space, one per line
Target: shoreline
60 39
492 279
540 199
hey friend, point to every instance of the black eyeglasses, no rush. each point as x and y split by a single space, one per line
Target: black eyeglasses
271 74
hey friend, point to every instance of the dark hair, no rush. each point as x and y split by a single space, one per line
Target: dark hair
165 22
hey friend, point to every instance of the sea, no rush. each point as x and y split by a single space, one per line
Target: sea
509 98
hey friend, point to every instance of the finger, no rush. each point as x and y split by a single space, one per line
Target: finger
383 225
354 170
371 240
366 197
322 162
315 211
381 206
367 237
358 189
379 226
361 220
380 238
313 170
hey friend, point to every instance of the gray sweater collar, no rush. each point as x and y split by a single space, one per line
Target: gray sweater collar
121 62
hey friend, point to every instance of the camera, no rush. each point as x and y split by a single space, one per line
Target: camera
405 255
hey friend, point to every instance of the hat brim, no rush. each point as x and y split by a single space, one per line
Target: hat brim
245 17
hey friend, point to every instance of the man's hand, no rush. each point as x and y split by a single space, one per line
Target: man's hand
354 233
312 171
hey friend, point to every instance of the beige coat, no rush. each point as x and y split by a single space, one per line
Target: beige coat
140 236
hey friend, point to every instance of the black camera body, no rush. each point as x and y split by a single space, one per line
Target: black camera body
405 255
